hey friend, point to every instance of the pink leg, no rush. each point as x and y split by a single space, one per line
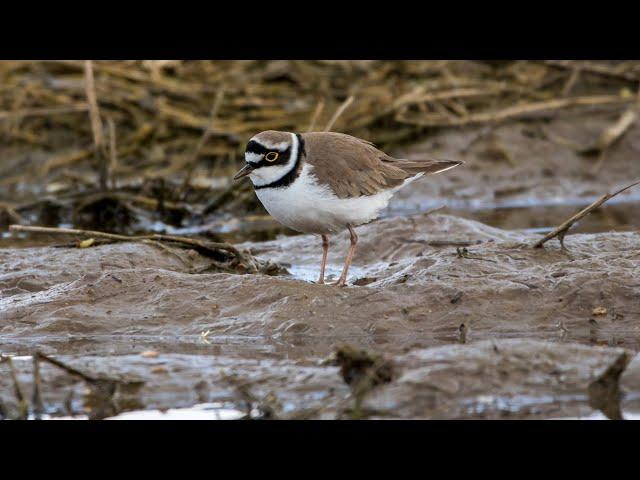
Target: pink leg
347 263
325 251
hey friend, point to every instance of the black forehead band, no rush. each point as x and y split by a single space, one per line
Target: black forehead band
255 147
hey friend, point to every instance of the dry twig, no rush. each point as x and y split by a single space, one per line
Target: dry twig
561 230
23 406
239 261
44 112
614 132
103 400
339 112
316 115
515 111
191 163
113 155
96 123
36 396
597 68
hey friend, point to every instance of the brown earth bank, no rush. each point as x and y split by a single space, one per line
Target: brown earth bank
418 285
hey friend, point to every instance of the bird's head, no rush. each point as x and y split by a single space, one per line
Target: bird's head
269 156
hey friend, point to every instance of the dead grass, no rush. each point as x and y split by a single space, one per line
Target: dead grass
183 123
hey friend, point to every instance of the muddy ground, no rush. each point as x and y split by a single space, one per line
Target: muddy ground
457 316
412 289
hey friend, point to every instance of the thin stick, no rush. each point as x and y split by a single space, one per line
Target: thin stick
515 111
339 112
614 132
113 155
564 227
43 112
36 396
68 369
127 238
596 68
68 231
212 247
96 123
94 112
316 114
203 140
573 78
17 389
197 243
169 250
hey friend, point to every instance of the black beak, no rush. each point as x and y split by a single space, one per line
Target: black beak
244 171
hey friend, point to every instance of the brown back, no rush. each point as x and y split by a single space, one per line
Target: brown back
353 167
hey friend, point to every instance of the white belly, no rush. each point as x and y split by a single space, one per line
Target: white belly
308 207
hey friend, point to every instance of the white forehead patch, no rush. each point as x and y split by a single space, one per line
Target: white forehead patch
251 157
281 146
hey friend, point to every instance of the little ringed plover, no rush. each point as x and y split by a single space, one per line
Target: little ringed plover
326 182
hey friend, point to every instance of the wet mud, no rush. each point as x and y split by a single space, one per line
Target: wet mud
530 164
419 284
449 314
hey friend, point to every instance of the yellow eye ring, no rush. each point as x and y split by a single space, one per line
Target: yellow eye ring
271 156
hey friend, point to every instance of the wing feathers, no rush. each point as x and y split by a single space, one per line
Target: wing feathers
352 167
429 167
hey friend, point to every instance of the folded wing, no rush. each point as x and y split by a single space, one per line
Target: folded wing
352 167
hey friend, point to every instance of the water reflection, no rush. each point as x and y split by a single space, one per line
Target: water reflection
204 411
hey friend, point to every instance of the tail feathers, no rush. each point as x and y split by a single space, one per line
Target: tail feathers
428 167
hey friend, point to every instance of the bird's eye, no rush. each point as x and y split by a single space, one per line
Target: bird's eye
271 156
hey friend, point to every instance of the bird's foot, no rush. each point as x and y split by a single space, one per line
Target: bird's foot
342 282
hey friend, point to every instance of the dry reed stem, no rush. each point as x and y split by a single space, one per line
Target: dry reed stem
113 153
96 124
339 112
316 115
94 111
44 112
516 111
615 131
597 68
160 116
191 162
571 81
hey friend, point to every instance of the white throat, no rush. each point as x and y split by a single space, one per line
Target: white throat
272 173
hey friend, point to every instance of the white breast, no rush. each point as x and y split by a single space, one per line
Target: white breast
309 207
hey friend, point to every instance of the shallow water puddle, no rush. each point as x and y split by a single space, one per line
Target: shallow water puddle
540 216
600 416
309 273
205 411
517 403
